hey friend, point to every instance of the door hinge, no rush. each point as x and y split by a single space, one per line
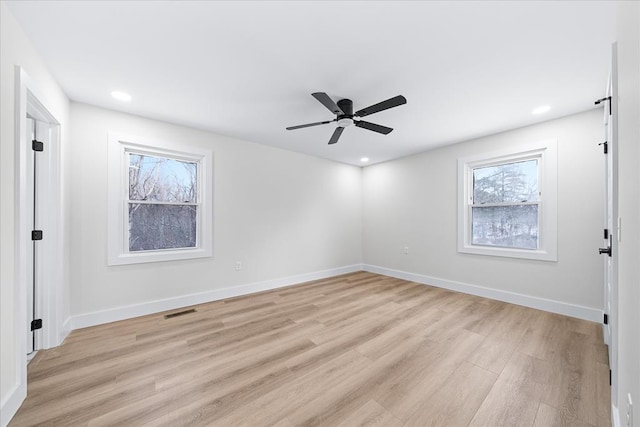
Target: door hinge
606 234
608 98
36 235
36 324
37 145
606 319
605 146
606 250
610 377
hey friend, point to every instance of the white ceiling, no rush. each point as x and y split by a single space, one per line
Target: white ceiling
247 69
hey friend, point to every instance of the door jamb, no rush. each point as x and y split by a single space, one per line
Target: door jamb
50 297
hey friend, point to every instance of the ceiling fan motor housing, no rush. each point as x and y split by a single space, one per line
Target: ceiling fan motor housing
346 119
346 105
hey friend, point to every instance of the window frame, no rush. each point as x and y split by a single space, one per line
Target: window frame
120 146
546 154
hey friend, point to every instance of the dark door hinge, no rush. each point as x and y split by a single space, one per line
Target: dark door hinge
605 146
36 324
610 377
606 233
606 319
608 98
606 250
37 145
36 235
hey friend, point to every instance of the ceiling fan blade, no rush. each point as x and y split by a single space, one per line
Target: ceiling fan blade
380 106
336 135
372 126
309 124
327 102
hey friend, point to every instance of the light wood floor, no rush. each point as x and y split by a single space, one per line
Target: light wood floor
359 349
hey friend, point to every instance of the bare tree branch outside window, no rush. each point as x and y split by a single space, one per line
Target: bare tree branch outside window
163 203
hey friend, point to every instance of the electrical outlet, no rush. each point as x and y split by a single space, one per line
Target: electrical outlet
406 250
629 417
238 265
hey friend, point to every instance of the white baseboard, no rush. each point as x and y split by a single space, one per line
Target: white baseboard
615 416
11 403
122 313
558 307
66 330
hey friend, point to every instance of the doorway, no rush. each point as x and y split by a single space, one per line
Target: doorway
40 294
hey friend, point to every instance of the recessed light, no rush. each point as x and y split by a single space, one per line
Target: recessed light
121 96
364 159
541 109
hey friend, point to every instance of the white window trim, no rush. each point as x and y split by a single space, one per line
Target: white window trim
118 248
547 152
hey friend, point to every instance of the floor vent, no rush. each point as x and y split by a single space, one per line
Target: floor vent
180 313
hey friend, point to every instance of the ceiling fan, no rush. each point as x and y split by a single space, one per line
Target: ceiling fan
346 117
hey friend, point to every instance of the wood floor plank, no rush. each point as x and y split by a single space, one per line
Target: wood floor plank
371 414
572 390
307 386
357 349
603 393
456 402
407 390
548 416
515 396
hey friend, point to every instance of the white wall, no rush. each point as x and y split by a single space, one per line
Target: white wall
628 38
280 213
16 49
413 201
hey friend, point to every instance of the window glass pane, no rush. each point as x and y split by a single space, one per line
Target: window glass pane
161 179
509 182
508 226
161 227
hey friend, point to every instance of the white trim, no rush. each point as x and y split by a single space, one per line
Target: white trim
572 310
28 100
615 416
127 312
11 403
65 330
546 151
119 144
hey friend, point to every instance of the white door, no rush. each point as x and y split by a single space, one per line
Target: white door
30 253
611 233
36 131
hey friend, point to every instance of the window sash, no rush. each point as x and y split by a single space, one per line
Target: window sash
128 201
154 202
127 236
490 205
518 248
471 192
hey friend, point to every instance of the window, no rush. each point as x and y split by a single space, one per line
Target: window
159 201
508 203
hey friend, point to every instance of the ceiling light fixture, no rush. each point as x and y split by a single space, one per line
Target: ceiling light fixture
541 109
364 159
344 122
121 96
